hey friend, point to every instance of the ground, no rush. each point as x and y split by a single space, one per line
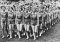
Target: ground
52 35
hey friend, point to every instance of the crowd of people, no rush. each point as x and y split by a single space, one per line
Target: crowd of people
29 19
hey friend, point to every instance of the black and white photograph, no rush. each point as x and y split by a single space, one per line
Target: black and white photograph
29 20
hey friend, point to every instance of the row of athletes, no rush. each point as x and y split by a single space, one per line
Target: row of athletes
31 24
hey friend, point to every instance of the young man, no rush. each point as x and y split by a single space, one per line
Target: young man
27 24
13 24
7 23
3 24
40 24
10 21
45 22
34 24
19 24
3 21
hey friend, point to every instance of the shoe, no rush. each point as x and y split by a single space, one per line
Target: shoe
27 38
19 37
47 28
15 35
3 36
31 35
10 37
40 35
52 24
7 35
37 36
23 34
34 38
44 31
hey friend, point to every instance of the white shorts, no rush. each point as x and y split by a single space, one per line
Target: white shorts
11 26
19 27
26 27
34 28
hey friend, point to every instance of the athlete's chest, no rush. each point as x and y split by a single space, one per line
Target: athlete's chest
34 17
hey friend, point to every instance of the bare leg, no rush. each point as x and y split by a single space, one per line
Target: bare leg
10 31
18 28
27 31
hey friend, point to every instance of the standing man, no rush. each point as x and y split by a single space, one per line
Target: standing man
3 21
10 21
3 24
34 24
27 24
40 24
19 24
13 23
7 23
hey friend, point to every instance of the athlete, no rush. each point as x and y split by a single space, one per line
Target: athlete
34 24
3 24
19 24
10 22
27 24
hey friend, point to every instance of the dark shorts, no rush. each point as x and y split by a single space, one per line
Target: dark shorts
34 24
27 22
3 20
48 24
12 21
19 22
